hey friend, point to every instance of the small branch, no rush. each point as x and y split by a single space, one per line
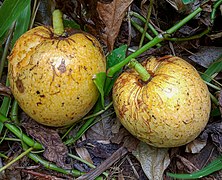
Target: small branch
105 164
86 162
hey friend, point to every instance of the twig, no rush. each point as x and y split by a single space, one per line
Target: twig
105 164
86 162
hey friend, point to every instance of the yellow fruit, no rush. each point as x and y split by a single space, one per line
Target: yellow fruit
169 110
51 76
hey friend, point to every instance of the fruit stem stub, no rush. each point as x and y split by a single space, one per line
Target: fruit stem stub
57 20
144 75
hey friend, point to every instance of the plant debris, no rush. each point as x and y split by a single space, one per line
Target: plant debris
55 150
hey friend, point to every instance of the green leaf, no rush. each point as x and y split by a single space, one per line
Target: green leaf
71 24
104 83
99 81
116 56
212 69
22 23
9 12
215 165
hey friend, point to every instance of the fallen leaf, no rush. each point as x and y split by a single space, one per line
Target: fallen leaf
195 146
206 55
128 140
214 130
55 150
153 160
96 149
4 90
186 164
83 152
101 131
112 15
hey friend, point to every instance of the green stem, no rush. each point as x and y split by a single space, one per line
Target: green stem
150 26
10 139
57 22
111 71
87 124
5 106
52 166
213 13
99 112
214 99
215 165
184 21
144 75
140 29
197 36
14 112
3 156
212 85
146 23
18 132
16 159
159 38
84 127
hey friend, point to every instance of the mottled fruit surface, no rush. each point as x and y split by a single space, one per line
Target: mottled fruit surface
169 110
51 77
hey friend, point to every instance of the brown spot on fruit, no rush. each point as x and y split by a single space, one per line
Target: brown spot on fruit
20 86
62 67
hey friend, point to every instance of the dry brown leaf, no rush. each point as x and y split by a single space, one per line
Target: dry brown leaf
83 153
4 90
214 130
128 140
112 15
101 131
195 146
153 160
55 150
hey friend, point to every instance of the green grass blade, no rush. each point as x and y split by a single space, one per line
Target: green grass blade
212 69
22 23
9 12
214 166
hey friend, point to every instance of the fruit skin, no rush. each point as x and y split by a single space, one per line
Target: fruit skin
169 110
51 76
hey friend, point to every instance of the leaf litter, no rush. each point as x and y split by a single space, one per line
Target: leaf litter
107 143
55 150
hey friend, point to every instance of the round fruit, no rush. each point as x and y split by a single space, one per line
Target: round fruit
51 76
169 110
